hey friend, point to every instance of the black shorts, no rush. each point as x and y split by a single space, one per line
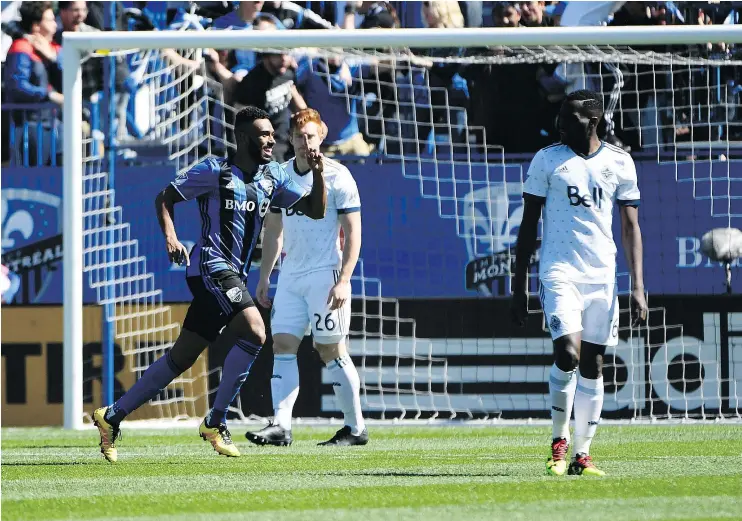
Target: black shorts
217 298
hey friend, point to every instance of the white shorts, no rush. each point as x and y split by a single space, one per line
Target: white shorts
301 303
571 307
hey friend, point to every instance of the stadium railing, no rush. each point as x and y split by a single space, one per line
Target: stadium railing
35 132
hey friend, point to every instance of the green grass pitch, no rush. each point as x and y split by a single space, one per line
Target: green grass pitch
410 473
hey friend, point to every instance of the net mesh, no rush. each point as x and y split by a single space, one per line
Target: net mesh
680 104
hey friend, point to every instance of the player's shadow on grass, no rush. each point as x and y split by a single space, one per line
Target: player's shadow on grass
44 463
426 474
84 462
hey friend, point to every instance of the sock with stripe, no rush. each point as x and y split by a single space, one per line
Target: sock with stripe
155 379
284 388
562 391
588 406
347 387
234 373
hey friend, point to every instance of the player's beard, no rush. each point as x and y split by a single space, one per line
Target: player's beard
256 152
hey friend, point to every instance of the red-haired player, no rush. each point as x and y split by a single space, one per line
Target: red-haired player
313 288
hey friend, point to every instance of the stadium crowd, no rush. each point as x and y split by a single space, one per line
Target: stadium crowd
460 96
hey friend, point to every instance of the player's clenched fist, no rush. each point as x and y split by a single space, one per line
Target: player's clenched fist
314 158
176 252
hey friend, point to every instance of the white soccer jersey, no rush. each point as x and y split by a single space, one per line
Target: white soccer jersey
310 244
580 192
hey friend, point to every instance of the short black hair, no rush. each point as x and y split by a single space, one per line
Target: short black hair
590 100
500 8
32 13
247 115
63 5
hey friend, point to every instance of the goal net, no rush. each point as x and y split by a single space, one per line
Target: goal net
430 331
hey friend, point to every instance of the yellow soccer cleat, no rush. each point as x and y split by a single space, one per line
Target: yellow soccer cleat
220 439
108 435
583 465
557 464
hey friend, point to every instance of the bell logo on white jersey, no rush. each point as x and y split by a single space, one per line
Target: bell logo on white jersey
588 201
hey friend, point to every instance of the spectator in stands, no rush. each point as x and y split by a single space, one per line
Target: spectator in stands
509 101
442 14
532 14
331 87
294 16
72 16
241 18
505 14
448 88
33 75
97 19
247 16
224 65
271 87
376 15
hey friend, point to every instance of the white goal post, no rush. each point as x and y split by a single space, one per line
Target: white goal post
75 44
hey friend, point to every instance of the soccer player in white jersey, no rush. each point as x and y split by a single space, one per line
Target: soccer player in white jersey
578 182
313 289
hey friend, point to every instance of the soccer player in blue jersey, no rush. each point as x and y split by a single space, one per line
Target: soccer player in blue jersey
234 195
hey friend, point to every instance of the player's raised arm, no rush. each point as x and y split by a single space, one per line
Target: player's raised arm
631 237
314 205
307 132
272 244
534 196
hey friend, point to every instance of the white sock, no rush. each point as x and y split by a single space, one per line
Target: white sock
347 387
284 388
562 390
588 405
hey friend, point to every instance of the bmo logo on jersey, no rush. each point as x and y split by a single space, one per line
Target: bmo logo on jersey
247 206
587 200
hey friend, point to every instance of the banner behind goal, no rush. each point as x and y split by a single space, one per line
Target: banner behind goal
441 191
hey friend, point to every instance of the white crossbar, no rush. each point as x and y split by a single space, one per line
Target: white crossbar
415 38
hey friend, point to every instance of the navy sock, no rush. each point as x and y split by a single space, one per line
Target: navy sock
115 414
216 418
155 379
234 373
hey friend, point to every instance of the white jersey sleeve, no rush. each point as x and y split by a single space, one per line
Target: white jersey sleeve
537 182
627 192
345 193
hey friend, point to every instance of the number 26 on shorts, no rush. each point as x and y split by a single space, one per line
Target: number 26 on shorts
329 323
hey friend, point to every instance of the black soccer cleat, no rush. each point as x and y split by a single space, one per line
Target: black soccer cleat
343 438
270 435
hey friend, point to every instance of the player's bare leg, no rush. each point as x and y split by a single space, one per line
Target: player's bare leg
180 358
246 331
562 385
284 391
347 386
588 406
